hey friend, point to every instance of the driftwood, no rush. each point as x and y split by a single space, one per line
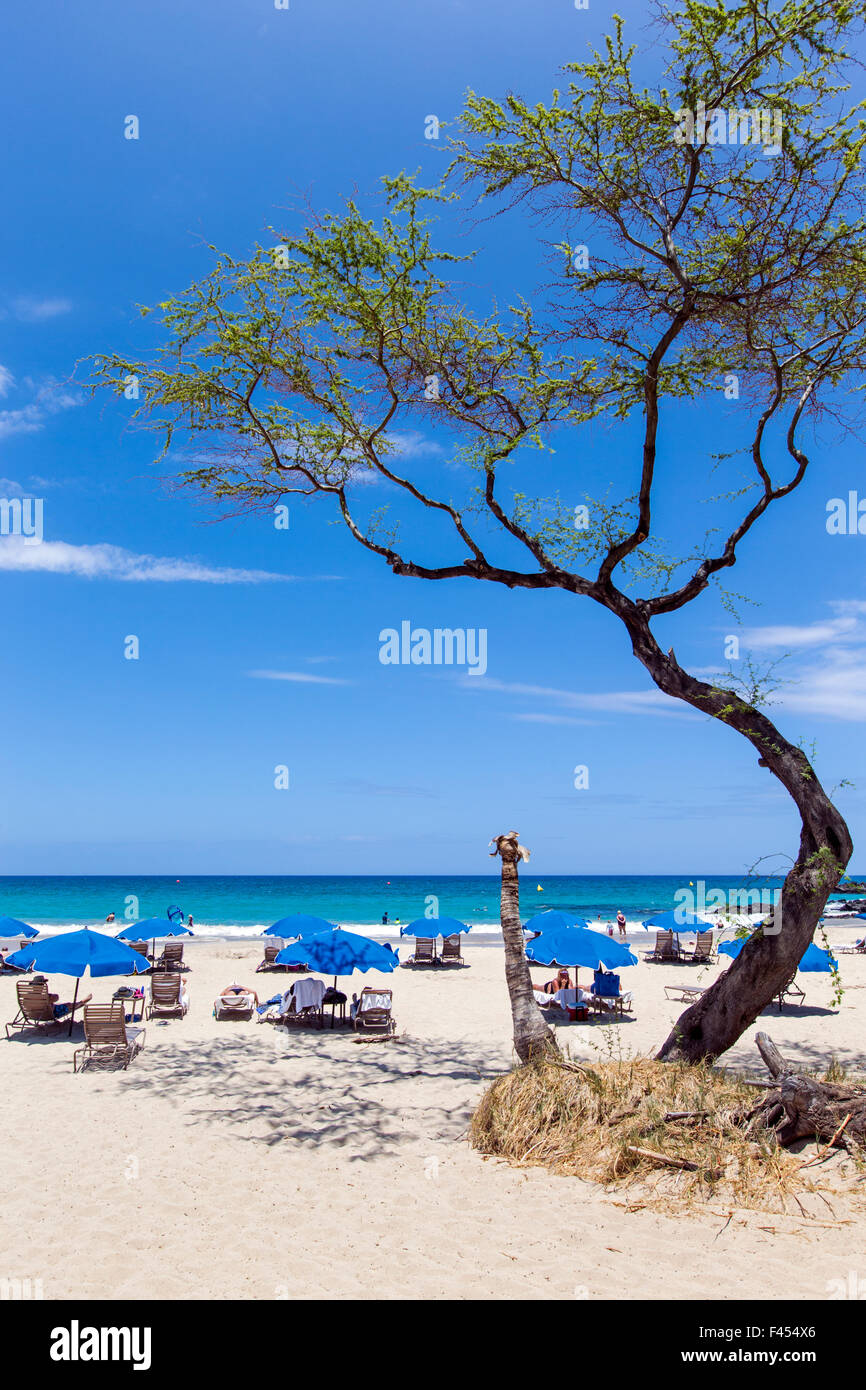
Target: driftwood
801 1107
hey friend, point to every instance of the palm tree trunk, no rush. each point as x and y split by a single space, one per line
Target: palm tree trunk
532 1037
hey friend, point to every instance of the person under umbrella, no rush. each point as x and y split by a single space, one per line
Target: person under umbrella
75 953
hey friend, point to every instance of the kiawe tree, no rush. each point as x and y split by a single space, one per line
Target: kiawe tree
708 228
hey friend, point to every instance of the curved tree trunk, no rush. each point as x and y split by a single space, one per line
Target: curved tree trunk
532 1037
709 1027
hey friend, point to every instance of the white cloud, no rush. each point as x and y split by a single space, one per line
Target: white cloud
31 310
793 635
27 420
113 562
609 701
7 380
835 688
300 677
412 444
50 399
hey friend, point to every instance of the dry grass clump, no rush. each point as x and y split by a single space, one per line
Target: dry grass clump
588 1121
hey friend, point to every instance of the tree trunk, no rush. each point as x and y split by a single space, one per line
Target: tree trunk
714 1023
532 1037
800 1107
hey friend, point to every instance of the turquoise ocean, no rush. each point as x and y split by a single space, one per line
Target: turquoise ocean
242 906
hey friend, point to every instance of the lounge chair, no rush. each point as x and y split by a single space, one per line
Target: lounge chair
140 947
451 953
241 1004
792 989
685 994
703 953
858 949
305 1004
36 1008
168 997
171 958
665 948
374 1011
107 1038
270 960
425 952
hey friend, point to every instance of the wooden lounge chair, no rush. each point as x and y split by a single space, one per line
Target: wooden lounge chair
374 1011
792 989
140 947
107 1038
425 951
240 1005
665 949
306 1004
451 953
270 960
703 953
167 997
36 1008
172 957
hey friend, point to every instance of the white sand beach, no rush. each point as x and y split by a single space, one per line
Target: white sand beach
239 1160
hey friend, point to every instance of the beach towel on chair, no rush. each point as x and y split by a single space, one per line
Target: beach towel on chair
308 994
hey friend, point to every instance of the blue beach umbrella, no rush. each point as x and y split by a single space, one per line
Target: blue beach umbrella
10 926
554 920
151 927
434 926
298 924
339 952
814 961
76 952
678 922
577 946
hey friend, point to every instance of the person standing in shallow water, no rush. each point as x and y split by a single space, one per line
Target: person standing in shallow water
620 921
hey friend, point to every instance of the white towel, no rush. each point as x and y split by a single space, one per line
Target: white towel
375 1001
309 993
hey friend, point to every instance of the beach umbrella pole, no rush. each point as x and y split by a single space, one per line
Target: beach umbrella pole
74 1002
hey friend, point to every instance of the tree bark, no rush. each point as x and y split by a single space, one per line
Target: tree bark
532 1037
714 1022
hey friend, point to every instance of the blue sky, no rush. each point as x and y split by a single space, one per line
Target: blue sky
167 763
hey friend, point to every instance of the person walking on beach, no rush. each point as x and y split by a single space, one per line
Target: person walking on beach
620 921
189 922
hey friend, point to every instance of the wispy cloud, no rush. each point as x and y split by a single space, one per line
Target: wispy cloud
113 562
29 309
7 380
554 719
50 399
300 677
608 701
